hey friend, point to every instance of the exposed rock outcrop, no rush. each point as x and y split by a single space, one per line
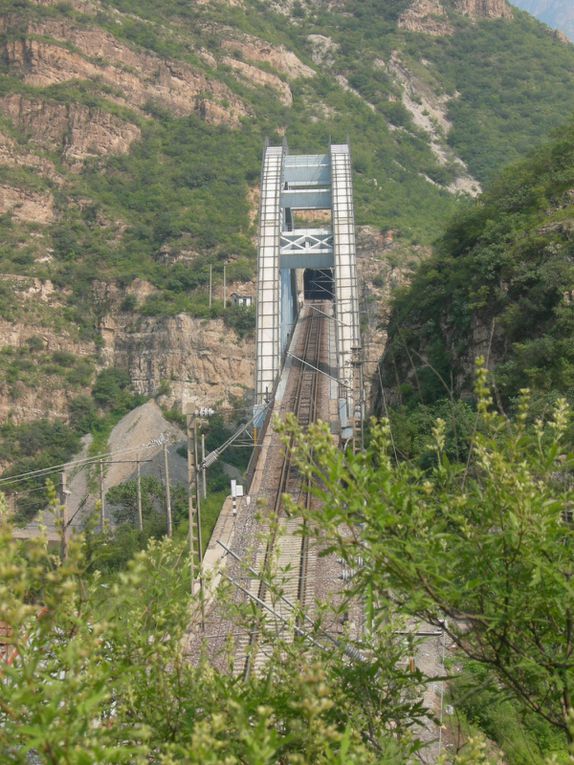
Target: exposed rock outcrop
15 155
382 267
137 77
27 205
561 37
238 3
430 16
89 7
429 113
484 9
277 56
323 49
427 17
76 131
260 78
201 360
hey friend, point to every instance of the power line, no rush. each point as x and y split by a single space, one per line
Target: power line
216 453
41 472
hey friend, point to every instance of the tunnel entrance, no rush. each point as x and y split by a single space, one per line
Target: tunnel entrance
318 284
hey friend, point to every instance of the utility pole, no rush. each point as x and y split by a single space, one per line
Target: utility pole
197 492
210 285
363 400
203 471
64 504
199 535
102 498
190 505
225 285
194 502
167 493
137 462
139 495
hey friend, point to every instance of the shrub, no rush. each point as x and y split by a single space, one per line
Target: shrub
241 319
112 390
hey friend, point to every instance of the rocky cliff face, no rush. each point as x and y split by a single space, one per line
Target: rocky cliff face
197 361
74 131
384 265
200 361
484 9
24 205
13 154
431 17
129 161
134 77
261 78
277 56
427 17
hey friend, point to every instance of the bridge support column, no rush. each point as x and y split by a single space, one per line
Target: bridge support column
268 287
346 292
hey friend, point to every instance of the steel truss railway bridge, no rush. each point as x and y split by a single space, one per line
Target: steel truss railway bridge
307 249
307 363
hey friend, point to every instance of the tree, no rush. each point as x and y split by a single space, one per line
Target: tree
241 319
98 672
485 548
123 499
112 389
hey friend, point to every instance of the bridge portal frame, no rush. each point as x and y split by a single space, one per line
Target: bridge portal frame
293 183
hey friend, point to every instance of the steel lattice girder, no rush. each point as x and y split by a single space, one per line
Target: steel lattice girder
306 240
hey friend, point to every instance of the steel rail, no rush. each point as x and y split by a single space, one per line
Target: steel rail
304 405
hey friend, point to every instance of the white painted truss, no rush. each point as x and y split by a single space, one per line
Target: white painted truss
310 241
290 184
346 292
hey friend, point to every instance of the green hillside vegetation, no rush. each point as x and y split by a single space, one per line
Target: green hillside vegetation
103 674
508 76
462 522
479 545
500 283
184 185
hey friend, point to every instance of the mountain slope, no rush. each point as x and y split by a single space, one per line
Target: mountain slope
130 142
501 285
556 13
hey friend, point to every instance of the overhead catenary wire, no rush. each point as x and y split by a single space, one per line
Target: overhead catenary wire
42 472
95 459
214 455
349 650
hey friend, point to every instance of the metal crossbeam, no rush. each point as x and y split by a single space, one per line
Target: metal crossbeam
306 241
306 199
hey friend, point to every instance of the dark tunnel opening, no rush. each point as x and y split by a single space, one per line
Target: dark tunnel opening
319 284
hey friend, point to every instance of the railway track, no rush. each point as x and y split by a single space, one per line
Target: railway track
284 547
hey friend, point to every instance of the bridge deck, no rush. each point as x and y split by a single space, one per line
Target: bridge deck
260 519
